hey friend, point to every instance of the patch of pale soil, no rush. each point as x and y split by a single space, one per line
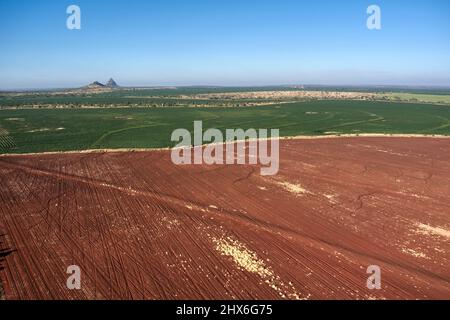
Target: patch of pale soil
38 130
170 223
415 253
370 297
293 188
45 129
440 250
330 197
124 118
250 262
417 196
429 230
383 150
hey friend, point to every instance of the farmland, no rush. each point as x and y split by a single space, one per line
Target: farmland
40 130
140 227
218 96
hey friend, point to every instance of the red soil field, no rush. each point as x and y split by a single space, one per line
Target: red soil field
140 227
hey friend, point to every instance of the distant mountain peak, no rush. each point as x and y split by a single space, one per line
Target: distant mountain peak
97 86
111 83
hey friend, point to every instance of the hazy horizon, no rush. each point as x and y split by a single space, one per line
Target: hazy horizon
206 43
283 85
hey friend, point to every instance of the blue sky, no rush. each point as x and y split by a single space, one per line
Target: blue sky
191 42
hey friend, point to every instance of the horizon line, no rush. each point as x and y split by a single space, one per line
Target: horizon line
312 85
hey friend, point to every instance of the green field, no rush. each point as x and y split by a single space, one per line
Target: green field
40 130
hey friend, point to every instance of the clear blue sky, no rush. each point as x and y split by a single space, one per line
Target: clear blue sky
223 42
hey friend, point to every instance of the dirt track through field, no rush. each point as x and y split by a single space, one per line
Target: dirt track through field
140 227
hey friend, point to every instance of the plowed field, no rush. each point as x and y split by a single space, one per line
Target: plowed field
140 227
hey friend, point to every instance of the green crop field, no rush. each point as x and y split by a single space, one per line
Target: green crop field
39 130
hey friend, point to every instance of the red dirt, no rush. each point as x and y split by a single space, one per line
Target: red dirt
140 227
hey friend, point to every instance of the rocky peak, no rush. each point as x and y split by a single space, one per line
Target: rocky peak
111 83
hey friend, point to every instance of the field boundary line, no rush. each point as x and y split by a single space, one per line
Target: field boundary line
299 137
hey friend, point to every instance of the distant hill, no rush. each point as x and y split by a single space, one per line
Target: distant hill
111 83
95 85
